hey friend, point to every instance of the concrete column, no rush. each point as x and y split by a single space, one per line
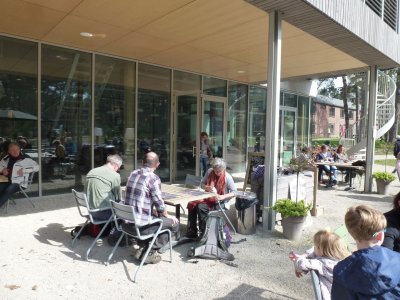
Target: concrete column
272 118
371 128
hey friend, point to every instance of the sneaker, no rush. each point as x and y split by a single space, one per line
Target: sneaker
334 182
153 257
137 253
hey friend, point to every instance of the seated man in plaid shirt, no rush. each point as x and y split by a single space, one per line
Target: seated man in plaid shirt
143 192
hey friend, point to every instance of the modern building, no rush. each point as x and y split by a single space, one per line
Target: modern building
103 76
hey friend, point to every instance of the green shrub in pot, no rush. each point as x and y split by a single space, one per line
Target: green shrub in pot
384 176
290 208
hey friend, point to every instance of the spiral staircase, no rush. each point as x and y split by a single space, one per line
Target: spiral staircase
355 137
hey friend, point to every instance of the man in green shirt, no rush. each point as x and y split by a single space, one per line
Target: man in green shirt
104 184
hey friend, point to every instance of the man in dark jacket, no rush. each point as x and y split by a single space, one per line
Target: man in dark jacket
371 272
396 149
392 234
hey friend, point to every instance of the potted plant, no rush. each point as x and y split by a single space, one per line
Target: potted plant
293 216
383 179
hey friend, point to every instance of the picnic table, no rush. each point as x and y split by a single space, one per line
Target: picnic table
347 166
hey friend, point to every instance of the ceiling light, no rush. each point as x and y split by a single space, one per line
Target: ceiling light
86 34
241 72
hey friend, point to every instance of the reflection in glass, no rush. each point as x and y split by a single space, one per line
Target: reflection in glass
114 125
18 99
154 98
214 86
66 118
303 120
237 126
289 99
256 137
186 90
213 124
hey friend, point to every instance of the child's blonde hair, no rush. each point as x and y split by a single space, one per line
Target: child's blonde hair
330 244
363 222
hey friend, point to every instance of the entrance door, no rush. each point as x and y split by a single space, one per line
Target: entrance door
287 137
214 123
186 129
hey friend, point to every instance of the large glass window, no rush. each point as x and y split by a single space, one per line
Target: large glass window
289 100
214 86
258 100
18 98
154 124
237 126
66 118
114 125
303 121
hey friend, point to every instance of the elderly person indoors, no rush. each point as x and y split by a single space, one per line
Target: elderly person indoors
216 180
15 167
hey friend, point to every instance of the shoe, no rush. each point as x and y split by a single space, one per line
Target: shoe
394 171
153 257
137 253
334 182
191 234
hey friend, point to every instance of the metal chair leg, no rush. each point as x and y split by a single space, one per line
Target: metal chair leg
97 237
115 248
79 232
27 197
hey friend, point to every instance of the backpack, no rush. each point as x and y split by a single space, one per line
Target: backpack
91 230
215 241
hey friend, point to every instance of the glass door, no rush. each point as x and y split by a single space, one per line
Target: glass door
186 129
287 136
214 124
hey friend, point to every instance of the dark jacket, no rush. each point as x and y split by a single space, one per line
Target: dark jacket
392 234
371 273
396 148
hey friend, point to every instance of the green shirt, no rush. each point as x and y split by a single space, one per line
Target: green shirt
102 185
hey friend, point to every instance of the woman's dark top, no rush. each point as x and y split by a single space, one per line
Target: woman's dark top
392 234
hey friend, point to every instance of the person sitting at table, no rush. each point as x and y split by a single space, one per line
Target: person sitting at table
340 156
392 234
143 192
104 184
325 155
216 180
16 167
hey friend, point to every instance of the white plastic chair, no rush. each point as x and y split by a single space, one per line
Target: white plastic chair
23 187
85 211
127 214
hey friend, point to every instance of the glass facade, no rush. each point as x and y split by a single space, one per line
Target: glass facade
76 107
237 126
66 100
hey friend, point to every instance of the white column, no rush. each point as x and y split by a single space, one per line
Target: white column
371 128
272 118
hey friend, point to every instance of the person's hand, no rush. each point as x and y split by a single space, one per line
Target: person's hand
174 219
298 274
208 188
292 256
20 172
5 172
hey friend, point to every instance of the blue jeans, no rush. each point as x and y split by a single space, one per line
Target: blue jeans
327 169
204 165
6 190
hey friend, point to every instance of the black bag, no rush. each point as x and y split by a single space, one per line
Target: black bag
215 241
113 237
359 163
92 230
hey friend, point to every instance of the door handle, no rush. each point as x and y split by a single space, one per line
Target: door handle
194 151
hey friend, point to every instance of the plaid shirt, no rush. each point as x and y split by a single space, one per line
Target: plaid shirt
143 191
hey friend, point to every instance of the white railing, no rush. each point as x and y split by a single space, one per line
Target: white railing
385 113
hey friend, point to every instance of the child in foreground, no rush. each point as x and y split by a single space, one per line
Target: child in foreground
328 250
371 272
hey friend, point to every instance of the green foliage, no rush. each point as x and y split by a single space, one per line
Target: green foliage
389 162
300 163
333 142
385 176
289 208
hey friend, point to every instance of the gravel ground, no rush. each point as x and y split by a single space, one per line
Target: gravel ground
37 261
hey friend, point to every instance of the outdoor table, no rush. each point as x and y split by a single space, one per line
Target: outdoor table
344 166
176 196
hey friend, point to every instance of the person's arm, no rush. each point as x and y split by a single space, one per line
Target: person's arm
204 180
231 188
391 235
30 165
158 202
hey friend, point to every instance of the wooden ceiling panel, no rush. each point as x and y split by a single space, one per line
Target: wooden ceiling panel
240 38
178 56
137 45
27 19
61 5
127 14
202 18
256 54
69 29
212 64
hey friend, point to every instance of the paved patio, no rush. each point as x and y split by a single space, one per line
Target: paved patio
37 261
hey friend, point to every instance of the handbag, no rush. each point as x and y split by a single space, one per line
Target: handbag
209 152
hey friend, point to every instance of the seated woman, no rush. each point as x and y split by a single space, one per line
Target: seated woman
325 155
392 234
216 180
16 167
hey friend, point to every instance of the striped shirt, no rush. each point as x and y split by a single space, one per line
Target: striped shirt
143 191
